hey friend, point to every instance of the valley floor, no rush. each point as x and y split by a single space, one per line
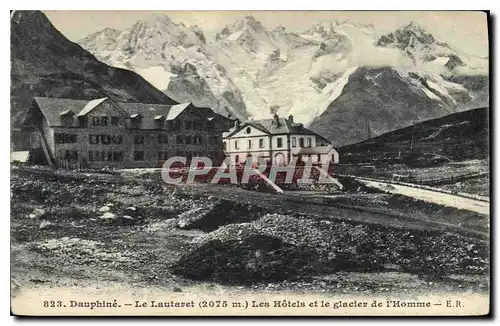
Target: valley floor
89 231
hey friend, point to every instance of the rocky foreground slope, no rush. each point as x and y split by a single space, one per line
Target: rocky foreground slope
73 229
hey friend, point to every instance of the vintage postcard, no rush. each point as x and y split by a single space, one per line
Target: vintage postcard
270 163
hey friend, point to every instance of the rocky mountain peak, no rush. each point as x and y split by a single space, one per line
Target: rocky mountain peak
408 36
317 28
158 30
248 22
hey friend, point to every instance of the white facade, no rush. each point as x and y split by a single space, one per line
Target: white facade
253 140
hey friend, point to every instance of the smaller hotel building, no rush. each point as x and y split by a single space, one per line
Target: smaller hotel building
278 140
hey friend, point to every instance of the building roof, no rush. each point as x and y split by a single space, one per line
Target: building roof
175 110
91 105
315 150
269 126
52 108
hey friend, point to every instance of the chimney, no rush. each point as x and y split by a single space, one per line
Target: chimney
237 123
276 120
290 118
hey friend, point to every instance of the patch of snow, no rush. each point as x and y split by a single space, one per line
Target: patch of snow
234 36
156 75
441 61
430 94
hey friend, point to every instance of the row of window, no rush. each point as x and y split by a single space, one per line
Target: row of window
301 142
105 139
60 138
188 140
279 143
112 156
105 156
105 121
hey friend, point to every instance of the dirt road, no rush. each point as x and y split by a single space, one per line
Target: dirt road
430 196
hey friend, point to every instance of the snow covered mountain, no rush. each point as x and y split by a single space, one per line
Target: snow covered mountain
173 58
335 76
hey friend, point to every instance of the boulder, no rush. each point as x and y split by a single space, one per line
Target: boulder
45 224
104 209
37 213
108 216
218 213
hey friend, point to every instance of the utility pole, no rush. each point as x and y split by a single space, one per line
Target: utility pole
368 129
412 135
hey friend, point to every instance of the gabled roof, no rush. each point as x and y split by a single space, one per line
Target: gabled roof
91 105
269 126
52 108
175 110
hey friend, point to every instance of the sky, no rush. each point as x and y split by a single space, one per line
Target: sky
466 30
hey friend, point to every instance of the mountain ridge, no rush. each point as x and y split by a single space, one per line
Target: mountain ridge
247 69
45 63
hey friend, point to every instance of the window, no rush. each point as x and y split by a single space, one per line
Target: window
180 139
249 144
188 125
176 125
261 143
197 140
105 139
96 121
198 125
117 139
224 145
117 156
236 144
163 139
136 122
301 142
294 141
114 121
188 140
162 156
279 141
248 130
138 139
105 156
104 121
65 138
309 142
70 155
139 156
